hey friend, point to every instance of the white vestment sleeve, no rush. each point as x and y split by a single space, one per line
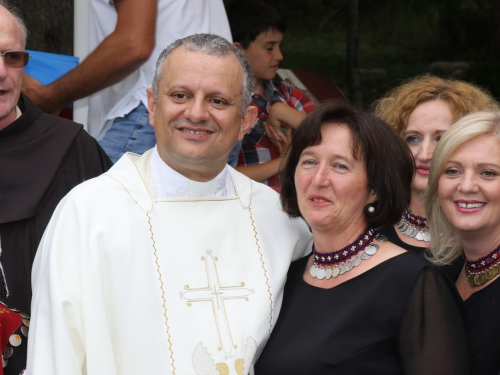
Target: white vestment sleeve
57 344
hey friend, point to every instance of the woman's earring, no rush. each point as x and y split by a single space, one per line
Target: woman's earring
371 209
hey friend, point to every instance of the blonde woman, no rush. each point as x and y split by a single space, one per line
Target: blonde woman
463 207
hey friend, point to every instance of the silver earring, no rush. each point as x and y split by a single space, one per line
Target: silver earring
371 209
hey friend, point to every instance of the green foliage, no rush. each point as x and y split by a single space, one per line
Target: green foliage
402 37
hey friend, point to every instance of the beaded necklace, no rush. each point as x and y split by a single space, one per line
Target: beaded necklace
484 269
341 261
414 226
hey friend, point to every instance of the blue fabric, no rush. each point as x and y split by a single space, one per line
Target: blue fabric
47 67
131 133
234 154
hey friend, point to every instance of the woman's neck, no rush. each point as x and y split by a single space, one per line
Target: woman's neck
477 245
325 241
258 87
417 204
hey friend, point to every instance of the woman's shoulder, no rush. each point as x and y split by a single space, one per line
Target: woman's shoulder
403 257
392 236
401 264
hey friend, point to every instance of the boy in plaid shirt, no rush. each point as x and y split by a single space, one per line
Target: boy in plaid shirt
257 29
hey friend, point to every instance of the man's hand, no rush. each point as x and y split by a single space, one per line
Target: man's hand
36 91
116 57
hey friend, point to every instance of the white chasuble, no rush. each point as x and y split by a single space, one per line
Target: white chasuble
215 283
125 283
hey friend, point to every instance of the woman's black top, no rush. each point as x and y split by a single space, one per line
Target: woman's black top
392 236
482 310
400 317
449 270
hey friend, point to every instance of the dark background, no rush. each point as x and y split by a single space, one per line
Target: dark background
396 39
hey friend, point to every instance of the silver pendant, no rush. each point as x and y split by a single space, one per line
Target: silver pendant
365 256
356 261
336 271
348 265
402 226
372 249
312 270
320 273
328 273
342 268
381 238
408 232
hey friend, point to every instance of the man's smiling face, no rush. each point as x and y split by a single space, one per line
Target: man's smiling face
197 116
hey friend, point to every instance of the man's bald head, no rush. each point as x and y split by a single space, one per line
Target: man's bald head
14 12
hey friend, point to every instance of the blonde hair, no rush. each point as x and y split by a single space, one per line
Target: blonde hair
445 244
463 98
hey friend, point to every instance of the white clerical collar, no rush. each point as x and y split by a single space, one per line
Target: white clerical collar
171 184
18 112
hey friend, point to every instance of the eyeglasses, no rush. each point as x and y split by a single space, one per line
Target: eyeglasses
15 59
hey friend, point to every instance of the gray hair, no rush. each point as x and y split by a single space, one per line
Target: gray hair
17 16
212 45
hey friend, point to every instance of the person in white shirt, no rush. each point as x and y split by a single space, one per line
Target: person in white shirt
125 40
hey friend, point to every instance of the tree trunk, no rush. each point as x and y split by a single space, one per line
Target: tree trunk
353 77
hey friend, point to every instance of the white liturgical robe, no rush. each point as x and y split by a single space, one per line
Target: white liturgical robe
126 283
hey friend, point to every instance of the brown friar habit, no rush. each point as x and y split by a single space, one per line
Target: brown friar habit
42 157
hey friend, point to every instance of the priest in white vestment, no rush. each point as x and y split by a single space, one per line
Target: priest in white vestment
172 262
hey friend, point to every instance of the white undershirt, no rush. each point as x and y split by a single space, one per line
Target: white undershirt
171 184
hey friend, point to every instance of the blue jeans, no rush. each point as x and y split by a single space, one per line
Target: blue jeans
130 133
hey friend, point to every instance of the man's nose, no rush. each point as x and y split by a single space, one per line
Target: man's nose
197 110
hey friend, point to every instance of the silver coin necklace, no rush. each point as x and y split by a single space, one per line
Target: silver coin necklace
336 263
414 226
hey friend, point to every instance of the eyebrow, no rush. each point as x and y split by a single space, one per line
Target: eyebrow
417 132
335 156
271 42
478 165
182 87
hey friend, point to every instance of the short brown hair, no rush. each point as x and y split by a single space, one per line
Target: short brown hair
463 98
388 160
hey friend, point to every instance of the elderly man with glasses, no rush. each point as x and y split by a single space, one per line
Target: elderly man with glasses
42 157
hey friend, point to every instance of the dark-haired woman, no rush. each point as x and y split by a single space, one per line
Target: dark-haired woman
358 304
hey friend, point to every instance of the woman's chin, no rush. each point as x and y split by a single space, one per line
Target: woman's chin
418 190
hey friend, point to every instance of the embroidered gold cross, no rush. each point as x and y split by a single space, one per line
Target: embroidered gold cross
217 295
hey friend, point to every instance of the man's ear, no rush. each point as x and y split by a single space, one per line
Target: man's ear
151 105
238 44
247 120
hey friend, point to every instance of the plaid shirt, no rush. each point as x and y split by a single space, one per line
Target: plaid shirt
257 148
